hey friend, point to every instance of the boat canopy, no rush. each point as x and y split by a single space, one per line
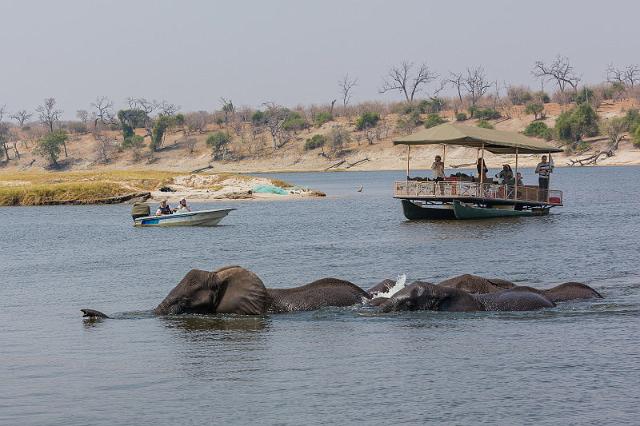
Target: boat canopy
496 141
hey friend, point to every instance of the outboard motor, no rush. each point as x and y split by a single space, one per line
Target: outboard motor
140 210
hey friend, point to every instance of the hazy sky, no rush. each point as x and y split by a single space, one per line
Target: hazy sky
193 52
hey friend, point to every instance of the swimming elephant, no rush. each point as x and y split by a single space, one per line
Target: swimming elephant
426 296
235 290
477 285
480 285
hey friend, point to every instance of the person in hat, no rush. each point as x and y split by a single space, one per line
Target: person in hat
164 208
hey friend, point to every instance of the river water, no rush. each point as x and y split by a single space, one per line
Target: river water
578 363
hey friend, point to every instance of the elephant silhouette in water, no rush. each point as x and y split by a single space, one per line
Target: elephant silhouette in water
236 290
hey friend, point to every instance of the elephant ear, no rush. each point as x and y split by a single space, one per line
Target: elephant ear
242 292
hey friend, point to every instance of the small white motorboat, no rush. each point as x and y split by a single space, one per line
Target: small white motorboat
197 218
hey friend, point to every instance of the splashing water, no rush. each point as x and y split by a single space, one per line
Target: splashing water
399 285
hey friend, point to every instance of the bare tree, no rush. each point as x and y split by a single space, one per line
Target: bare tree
4 132
275 115
457 81
400 78
476 84
166 108
142 104
559 71
14 138
615 75
82 115
197 121
615 128
106 145
632 75
346 84
190 143
103 111
48 113
21 116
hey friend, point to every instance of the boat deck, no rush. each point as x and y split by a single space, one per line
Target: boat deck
476 192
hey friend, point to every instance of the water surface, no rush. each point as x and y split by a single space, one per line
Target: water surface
577 363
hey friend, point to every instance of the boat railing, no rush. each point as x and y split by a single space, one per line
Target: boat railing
415 189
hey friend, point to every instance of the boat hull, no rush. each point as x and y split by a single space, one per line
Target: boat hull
464 211
199 218
413 211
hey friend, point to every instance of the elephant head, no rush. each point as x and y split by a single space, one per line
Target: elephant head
426 296
228 290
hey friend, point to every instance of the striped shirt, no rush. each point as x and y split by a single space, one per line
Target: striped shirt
544 170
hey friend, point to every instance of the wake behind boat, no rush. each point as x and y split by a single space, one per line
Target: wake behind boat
141 217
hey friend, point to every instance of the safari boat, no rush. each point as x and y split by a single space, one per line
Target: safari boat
469 198
141 217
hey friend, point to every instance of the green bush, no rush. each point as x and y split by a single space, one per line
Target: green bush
367 119
133 142
574 124
486 114
542 97
461 116
433 120
632 119
259 117
485 124
294 122
217 142
432 106
583 96
322 118
316 141
538 129
519 95
636 137
536 109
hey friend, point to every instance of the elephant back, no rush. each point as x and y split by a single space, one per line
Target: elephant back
318 294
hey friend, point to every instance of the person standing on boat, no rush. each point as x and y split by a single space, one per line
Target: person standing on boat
438 168
482 170
183 207
543 170
163 209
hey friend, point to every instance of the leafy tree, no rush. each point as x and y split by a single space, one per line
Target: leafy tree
583 96
461 116
259 118
131 119
536 109
538 129
294 121
577 123
484 113
432 106
158 131
636 137
485 124
50 146
367 120
316 141
632 119
433 120
322 118
218 142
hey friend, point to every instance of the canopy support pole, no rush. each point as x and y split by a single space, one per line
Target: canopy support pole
444 156
408 156
515 176
482 165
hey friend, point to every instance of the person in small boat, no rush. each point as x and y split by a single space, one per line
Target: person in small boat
482 170
438 168
163 209
506 175
183 207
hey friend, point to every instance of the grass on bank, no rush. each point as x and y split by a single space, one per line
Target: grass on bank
39 194
37 188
